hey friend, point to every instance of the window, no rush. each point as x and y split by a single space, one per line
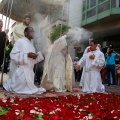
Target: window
83 16
113 3
104 7
92 3
91 12
100 1
84 5
87 4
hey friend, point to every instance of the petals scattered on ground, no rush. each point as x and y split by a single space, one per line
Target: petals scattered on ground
72 107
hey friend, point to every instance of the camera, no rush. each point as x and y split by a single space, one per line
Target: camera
111 47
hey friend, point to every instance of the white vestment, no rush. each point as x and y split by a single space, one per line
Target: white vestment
92 79
23 78
86 51
58 69
18 32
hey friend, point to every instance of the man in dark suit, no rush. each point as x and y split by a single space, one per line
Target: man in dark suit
2 43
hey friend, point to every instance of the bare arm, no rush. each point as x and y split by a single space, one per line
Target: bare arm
117 54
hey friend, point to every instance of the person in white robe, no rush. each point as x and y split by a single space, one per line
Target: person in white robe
93 62
58 73
18 29
18 32
86 51
23 54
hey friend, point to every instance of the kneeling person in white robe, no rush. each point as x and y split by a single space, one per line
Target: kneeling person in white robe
93 62
23 54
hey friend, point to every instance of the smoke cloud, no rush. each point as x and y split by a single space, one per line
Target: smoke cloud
79 34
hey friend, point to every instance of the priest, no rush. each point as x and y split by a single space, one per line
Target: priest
58 74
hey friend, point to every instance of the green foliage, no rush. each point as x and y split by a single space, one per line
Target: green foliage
8 50
60 29
3 110
39 117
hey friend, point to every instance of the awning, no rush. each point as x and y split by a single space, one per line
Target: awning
21 7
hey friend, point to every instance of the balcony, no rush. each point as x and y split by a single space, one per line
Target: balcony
96 10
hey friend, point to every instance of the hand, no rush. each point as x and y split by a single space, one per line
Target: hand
7 30
114 51
32 55
7 37
67 35
77 67
92 57
103 68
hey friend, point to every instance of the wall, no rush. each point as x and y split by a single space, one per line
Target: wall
75 12
74 17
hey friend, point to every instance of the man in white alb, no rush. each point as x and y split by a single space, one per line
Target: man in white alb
86 51
18 32
23 54
93 62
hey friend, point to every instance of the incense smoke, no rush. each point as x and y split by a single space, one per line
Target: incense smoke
79 34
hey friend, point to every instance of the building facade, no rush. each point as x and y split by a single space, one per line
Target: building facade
102 17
